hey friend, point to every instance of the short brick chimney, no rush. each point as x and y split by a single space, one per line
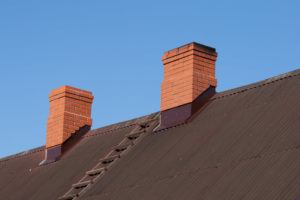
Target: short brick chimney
70 110
188 72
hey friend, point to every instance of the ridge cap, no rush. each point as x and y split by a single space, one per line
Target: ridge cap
254 85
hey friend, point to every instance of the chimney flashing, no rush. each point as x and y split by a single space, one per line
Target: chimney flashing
70 112
54 153
189 71
185 113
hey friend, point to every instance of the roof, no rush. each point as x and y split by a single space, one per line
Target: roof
244 145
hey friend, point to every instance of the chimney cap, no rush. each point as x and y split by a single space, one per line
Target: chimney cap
207 48
188 47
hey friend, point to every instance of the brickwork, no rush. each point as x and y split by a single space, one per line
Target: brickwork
188 71
70 109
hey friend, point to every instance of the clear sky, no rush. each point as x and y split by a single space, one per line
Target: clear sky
114 49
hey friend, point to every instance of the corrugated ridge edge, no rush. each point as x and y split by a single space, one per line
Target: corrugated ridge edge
132 122
256 84
95 132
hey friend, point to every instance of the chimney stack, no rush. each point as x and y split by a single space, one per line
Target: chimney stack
70 110
189 71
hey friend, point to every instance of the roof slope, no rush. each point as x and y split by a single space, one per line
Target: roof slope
21 177
244 145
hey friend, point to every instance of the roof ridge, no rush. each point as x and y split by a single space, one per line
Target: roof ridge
22 154
42 148
235 91
121 125
108 131
245 88
258 84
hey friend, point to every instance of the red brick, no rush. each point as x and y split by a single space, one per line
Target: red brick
188 71
70 109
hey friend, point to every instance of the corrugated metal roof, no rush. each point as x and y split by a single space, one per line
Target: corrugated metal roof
244 145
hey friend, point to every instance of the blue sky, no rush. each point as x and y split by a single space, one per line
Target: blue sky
114 49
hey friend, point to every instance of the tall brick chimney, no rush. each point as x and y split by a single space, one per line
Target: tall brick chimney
189 72
70 110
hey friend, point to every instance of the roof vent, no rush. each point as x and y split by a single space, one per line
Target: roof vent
189 77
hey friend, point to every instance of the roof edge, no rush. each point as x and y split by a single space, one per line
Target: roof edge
256 84
94 132
241 89
23 153
120 125
128 123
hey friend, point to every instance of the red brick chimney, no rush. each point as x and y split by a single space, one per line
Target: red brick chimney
189 71
70 110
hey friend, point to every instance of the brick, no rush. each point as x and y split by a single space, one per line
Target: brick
188 71
70 109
